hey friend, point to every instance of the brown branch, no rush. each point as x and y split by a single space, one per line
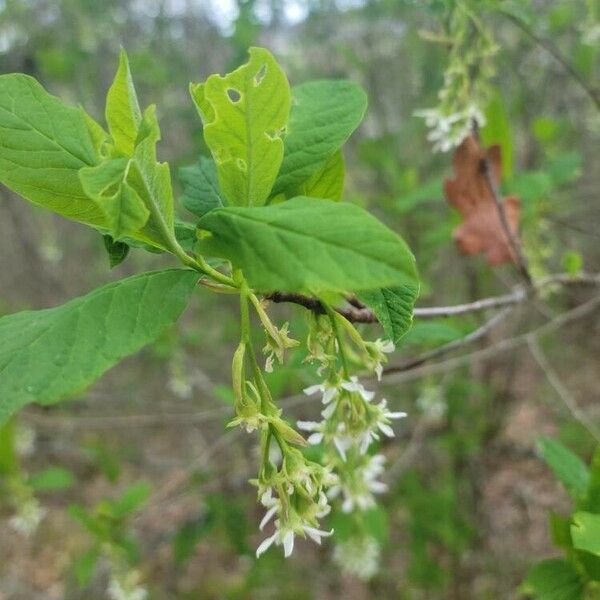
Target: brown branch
513 241
365 315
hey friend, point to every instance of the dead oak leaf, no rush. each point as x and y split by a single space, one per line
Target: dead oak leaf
469 193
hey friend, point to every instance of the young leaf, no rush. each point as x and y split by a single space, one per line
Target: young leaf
323 116
553 579
585 532
117 251
47 355
106 184
328 181
201 191
568 467
123 113
310 245
52 479
43 144
245 114
393 308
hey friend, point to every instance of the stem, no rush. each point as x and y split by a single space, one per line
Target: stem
336 331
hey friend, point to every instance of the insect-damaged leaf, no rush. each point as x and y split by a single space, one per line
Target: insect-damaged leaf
470 194
245 114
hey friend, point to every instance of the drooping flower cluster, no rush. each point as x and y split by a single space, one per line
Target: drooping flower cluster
351 423
296 492
359 556
466 89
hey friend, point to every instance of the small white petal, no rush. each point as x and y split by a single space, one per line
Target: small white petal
313 389
329 410
340 447
265 545
288 543
378 487
268 516
386 429
315 438
396 415
348 505
307 425
329 394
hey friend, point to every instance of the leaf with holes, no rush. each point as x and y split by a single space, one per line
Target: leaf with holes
324 114
43 144
245 114
393 308
309 245
201 191
106 184
47 355
123 113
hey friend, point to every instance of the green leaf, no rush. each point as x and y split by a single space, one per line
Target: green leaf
310 245
328 181
85 565
106 184
393 308
123 113
117 251
560 529
568 467
201 191
52 479
324 114
47 355
585 532
553 579
43 144
133 498
245 114
497 130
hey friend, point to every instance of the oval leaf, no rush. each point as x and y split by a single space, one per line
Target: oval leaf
310 245
49 354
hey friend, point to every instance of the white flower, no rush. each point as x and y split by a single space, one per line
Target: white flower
449 130
317 428
355 386
358 489
284 536
359 556
28 519
378 349
385 416
327 389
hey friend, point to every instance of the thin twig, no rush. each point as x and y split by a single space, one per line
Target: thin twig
516 296
393 377
513 241
563 393
548 47
469 339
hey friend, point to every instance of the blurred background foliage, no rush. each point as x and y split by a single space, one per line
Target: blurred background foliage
139 471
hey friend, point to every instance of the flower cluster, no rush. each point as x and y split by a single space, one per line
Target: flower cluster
351 423
359 556
447 131
295 499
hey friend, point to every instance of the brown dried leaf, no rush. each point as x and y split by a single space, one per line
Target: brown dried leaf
470 194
